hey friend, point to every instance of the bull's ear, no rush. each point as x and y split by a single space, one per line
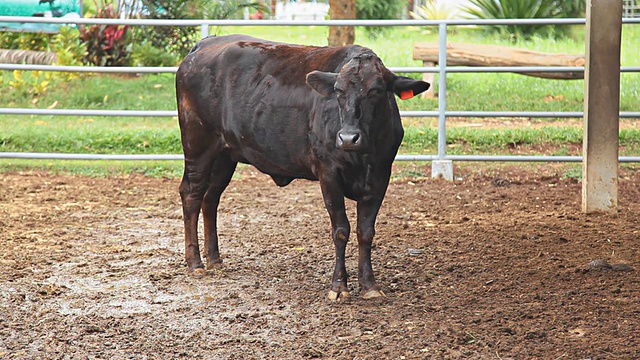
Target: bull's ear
406 88
322 82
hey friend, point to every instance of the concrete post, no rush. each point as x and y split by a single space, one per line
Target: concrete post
601 106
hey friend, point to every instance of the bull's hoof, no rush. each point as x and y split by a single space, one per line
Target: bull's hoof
212 264
334 295
198 272
373 293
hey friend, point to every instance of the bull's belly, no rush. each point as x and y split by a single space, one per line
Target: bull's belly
283 168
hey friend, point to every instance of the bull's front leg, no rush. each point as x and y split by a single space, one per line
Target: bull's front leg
367 212
340 229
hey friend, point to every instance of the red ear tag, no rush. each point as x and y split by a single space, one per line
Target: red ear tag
407 94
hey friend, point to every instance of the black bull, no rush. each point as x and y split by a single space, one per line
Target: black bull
294 112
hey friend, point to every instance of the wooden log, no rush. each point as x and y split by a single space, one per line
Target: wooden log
459 54
27 57
430 78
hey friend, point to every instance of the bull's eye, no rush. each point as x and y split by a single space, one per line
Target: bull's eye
375 92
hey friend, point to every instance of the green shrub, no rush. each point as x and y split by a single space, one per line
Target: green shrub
69 47
66 44
525 9
378 10
572 8
24 41
145 54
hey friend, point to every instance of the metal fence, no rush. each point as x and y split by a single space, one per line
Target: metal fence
442 69
631 9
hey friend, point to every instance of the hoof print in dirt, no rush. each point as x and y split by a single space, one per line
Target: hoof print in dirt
603 265
51 289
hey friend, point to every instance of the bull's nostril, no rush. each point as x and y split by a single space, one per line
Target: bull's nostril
349 140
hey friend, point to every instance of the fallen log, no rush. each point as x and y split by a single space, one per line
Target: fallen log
27 57
459 54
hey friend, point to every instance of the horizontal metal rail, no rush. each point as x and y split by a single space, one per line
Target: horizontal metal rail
509 114
417 69
85 112
92 69
506 158
198 22
163 157
407 113
63 156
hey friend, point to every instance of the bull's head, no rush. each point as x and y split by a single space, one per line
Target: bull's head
360 87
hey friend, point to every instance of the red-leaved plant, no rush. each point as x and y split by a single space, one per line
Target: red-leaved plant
107 45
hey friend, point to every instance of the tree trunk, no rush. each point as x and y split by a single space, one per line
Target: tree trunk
342 10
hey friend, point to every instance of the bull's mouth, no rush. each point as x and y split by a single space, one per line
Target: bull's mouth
350 148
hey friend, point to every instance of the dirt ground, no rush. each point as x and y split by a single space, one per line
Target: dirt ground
492 266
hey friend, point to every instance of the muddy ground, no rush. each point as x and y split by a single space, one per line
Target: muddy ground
492 266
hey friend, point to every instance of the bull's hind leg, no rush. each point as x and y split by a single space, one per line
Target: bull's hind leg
192 189
200 152
221 174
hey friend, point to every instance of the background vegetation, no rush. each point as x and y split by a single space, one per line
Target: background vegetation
526 9
481 91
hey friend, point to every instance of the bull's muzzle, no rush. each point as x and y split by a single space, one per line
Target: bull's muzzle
349 140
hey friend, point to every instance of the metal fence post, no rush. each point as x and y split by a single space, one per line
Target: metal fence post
204 30
441 167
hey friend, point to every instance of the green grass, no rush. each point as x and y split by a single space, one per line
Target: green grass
103 92
556 140
479 92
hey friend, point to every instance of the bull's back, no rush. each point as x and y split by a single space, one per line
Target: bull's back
252 52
